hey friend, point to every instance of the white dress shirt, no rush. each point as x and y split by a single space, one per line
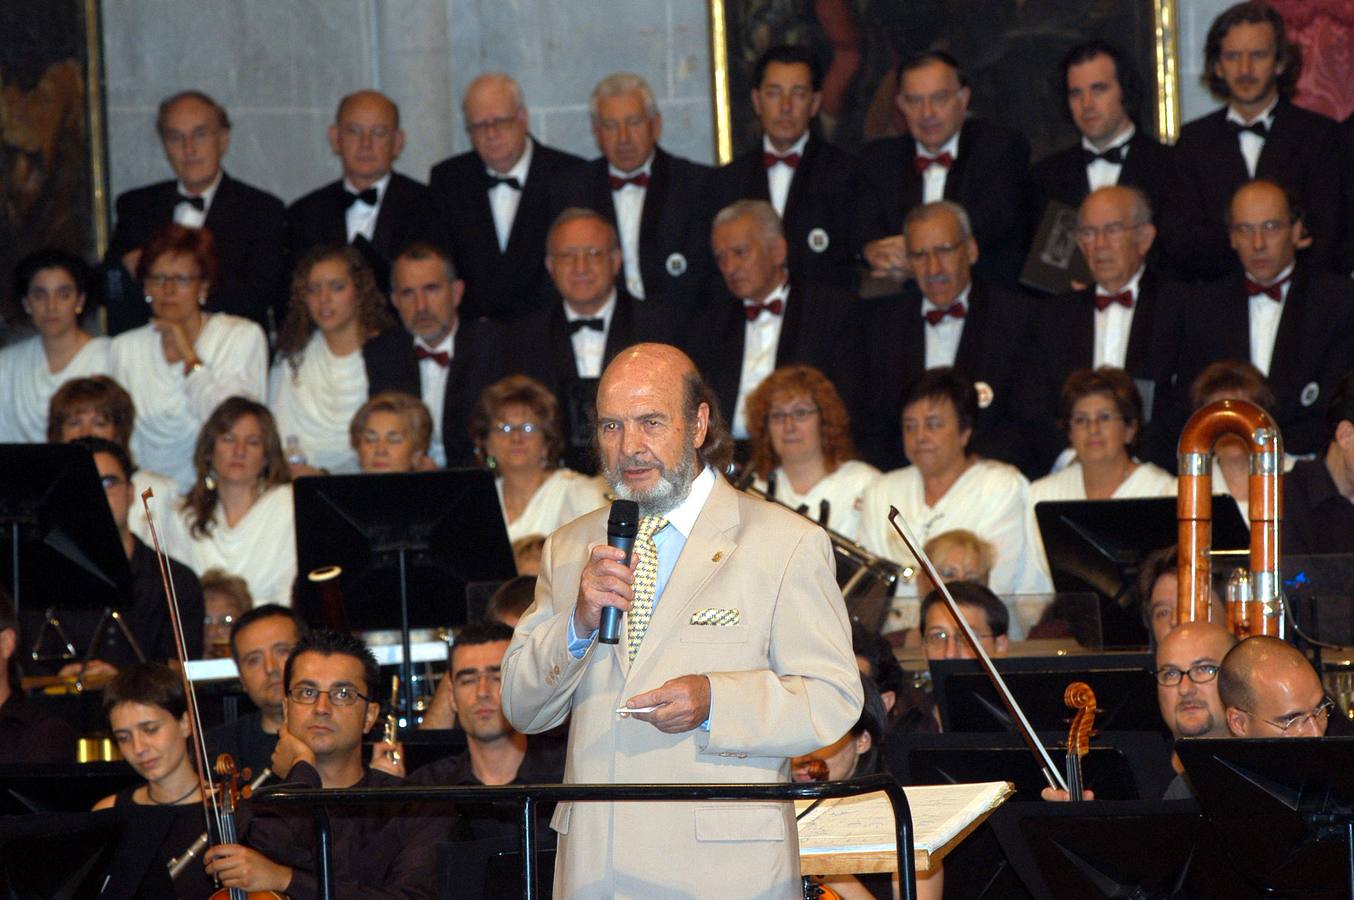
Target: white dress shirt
432 380
1252 143
185 214
933 178
1264 321
760 339
779 176
590 344
1113 325
1101 172
942 340
503 200
629 203
361 216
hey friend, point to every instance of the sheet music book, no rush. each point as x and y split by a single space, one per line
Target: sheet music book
862 827
1055 260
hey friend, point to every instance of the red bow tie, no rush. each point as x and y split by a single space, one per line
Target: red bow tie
936 316
753 310
441 357
790 159
925 162
1272 291
1123 298
618 182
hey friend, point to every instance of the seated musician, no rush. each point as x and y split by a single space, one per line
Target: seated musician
225 598
801 449
378 851
1158 589
495 753
392 432
28 733
958 555
512 599
148 715
260 642
1270 690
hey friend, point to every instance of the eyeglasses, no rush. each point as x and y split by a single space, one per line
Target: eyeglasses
508 430
937 637
800 414
339 696
939 98
590 255
223 619
1298 721
1200 673
1101 419
498 124
1112 230
179 281
943 251
358 133
1268 228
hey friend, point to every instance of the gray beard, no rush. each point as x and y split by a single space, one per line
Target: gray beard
674 485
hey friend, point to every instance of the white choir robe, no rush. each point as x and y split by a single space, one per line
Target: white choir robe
842 489
316 401
27 385
260 548
562 497
171 407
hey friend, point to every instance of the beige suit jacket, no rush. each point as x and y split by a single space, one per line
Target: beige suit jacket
783 682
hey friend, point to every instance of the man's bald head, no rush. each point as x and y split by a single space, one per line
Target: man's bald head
1266 683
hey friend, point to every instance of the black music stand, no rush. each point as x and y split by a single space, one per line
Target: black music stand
48 855
1319 590
62 540
60 787
1284 807
1122 682
399 546
1099 546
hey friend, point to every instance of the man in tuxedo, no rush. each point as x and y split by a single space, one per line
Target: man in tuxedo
950 318
1250 64
810 182
371 207
566 345
722 674
764 319
1128 318
656 201
246 223
1104 98
438 356
1287 317
946 155
495 200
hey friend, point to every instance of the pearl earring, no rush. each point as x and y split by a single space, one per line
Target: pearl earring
209 480
148 299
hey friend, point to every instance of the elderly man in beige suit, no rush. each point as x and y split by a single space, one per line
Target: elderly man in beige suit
736 637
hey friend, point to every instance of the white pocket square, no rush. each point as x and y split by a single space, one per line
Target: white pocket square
714 615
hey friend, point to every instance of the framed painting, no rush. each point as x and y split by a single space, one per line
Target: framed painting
52 146
1010 51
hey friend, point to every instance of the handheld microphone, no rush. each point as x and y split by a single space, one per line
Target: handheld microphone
621 528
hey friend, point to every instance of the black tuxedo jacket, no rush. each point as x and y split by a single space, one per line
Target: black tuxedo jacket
1313 349
499 283
1061 176
407 214
542 347
1301 153
476 363
247 225
1063 340
674 231
990 179
821 329
819 214
990 350
1345 259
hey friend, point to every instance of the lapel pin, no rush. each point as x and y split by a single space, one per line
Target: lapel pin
719 554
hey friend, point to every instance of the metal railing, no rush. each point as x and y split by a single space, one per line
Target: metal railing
529 795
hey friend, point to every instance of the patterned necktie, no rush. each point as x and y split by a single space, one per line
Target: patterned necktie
646 581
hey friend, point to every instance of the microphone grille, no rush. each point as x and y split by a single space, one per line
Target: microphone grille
624 517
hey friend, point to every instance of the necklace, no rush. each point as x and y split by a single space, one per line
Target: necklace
152 799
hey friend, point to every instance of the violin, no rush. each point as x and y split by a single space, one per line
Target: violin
1080 697
231 794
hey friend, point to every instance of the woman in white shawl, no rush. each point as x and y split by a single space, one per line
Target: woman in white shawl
180 366
51 285
238 515
319 380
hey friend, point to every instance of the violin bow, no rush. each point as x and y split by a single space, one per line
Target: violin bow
1051 772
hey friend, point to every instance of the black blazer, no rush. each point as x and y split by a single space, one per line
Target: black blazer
407 214
674 231
1313 349
1061 175
819 214
821 329
508 283
1063 340
990 350
1345 259
247 225
1301 153
990 179
476 363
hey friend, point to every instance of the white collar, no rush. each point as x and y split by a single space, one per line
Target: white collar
962 299
1130 285
1122 138
445 343
206 195
1267 116
604 313
648 165
781 293
797 147
683 518
518 171
1287 271
951 147
381 184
